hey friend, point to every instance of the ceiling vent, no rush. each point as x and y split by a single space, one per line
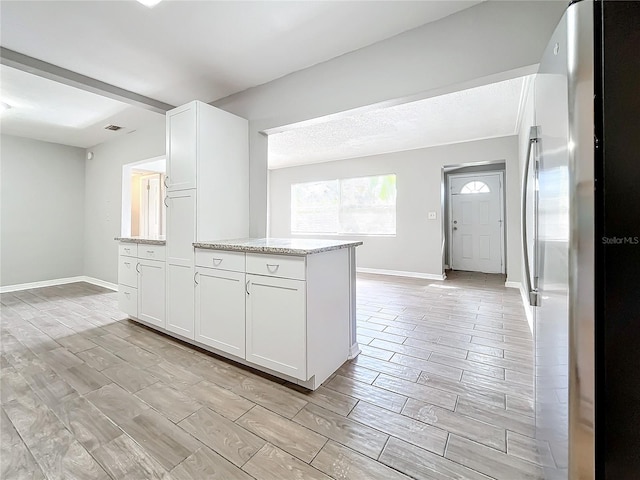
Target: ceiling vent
115 128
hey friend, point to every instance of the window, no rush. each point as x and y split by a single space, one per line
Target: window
350 206
475 187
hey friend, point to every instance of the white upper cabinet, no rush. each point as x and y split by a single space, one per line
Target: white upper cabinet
223 175
208 150
182 147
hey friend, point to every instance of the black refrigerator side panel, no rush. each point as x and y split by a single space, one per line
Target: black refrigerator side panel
617 173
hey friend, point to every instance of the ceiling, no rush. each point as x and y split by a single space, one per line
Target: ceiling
52 112
487 111
177 51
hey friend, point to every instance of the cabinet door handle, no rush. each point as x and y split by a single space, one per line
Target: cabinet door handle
217 261
246 287
165 182
195 278
273 267
165 201
137 265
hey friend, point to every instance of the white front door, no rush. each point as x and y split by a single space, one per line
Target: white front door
476 223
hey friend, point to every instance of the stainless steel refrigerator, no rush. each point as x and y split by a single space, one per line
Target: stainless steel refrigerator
581 242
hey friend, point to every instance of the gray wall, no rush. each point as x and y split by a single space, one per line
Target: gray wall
41 210
471 47
417 246
103 195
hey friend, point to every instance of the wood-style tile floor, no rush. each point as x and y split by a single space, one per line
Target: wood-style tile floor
442 390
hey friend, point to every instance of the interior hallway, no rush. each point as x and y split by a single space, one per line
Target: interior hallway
443 389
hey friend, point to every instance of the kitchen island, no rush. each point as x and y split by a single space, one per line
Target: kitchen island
284 306
296 297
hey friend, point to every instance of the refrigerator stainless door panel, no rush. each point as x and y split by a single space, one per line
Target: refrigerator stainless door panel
581 260
551 323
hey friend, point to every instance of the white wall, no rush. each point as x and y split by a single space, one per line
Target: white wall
417 246
487 40
103 195
41 210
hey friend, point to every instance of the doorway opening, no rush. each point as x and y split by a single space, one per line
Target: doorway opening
474 218
143 191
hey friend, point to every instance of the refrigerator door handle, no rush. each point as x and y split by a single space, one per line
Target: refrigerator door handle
531 293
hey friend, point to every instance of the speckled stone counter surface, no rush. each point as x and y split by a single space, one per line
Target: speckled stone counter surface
143 240
280 246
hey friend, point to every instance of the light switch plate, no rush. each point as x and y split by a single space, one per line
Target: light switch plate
432 215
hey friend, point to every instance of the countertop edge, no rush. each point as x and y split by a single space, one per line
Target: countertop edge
143 241
274 250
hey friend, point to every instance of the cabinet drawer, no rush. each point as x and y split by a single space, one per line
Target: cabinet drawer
128 300
152 252
219 259
276 265
128 249
127 273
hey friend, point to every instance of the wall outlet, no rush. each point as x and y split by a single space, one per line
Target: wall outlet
432 215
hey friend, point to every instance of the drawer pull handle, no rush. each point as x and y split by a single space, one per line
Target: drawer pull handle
150 251
127 250
127 263
217 261
273 267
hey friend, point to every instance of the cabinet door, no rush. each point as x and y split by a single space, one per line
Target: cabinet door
276 324
127 274
180 300
220 310
128 300
181 227
151 298
181 147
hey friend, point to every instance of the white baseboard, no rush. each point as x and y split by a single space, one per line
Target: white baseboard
400 273
101 283
513 285
57 281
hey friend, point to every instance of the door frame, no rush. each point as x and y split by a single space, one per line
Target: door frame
502 213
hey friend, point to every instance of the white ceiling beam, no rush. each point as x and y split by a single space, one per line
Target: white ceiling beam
37 67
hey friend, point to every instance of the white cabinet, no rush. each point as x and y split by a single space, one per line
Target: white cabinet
181 226
223 174
128 300
181 147
276 324
220 310
181 209
141 283
180 300
151 291
127 273
207 196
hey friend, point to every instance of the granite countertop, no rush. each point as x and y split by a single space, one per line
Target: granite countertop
281 246
143 240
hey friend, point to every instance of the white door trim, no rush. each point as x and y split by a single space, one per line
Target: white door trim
502 209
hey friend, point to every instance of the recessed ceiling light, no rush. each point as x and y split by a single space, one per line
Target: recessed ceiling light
149 3
4 106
